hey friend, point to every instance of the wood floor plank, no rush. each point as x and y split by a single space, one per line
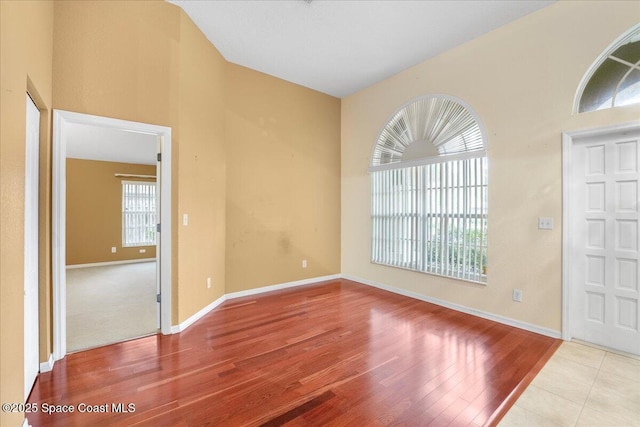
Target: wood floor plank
333 353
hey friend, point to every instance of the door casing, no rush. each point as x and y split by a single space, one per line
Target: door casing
568 140
61 120
31 247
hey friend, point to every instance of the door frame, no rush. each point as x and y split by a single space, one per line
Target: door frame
61 120
32 207
568 141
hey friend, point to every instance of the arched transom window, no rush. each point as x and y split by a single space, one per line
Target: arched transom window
429 190
614 79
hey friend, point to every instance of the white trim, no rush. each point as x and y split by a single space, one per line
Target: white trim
596 64
31 314
58 238
191 320
599 131
568 139
61 121
567 142
25 423
280 286
199 315
48 365
106 263
461 308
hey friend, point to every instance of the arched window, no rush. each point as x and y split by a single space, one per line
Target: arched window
614 79
429 190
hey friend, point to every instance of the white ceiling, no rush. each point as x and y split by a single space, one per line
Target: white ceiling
340 47
110 145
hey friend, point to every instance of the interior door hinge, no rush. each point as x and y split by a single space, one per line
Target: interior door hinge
157 297
158 227
159 157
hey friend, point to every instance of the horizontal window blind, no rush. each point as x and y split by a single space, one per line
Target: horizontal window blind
138 213
432 218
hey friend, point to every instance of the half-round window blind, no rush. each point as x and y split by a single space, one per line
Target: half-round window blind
429 190
427 128
614 78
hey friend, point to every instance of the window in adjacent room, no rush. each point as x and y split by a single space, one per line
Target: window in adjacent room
429 190
138 213
614 79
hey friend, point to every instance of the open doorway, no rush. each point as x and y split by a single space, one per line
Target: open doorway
111 217
111 230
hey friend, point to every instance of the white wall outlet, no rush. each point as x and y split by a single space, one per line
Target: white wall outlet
545 223
143 251
113 249
517 295
208 282
304 263
185 219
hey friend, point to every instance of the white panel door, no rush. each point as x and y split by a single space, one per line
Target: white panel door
31 356
605 254
158 239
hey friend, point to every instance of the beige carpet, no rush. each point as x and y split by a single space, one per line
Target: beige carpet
110 304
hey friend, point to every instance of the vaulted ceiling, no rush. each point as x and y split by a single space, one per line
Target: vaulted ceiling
341 46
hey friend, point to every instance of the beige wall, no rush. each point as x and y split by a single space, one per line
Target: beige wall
94 212
147 62
257 161
202 171
120 59
25 64
283 181
521 80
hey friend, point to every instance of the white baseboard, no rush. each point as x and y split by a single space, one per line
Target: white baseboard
102 264
468 310
48 365
277 287
191 320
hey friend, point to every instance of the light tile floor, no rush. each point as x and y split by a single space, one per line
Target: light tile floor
581 386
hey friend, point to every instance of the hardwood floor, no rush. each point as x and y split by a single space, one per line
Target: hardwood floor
334 353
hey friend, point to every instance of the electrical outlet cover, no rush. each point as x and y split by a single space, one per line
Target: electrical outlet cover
517 295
